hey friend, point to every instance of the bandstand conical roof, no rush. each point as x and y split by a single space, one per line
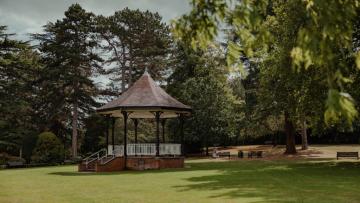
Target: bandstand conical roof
143 98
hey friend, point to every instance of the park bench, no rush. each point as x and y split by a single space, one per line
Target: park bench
251 154
259 154
255 154
240 154
14 164
224 154
268 142
347 154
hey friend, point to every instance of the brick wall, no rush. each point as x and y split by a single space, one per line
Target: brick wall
137 163
117 164
172 162
82 167
144 163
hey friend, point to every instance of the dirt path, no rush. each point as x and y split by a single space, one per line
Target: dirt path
314 151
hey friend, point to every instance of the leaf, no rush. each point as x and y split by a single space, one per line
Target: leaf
339 105
357 59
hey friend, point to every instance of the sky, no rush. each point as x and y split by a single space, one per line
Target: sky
28 16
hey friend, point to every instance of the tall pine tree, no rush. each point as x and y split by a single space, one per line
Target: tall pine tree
135 40
19 67
68 50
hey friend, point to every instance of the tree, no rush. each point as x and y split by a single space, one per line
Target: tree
323 38
200 81
95 134
67 48
19 67
135 40
270 34
283 90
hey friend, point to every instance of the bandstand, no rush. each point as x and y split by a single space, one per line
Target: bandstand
143 100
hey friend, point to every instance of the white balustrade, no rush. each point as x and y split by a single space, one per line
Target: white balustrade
170 149
118 150
145 149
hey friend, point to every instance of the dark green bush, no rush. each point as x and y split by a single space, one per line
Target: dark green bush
4 157
48 149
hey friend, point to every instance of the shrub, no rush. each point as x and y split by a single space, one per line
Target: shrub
48 149
4 157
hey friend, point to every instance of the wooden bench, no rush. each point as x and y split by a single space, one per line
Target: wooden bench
259 154
347 155
14 164
224 154
240 154
255 154
269 142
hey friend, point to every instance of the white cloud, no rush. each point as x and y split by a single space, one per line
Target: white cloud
23 16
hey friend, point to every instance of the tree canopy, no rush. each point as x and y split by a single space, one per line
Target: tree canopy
67 49
325 35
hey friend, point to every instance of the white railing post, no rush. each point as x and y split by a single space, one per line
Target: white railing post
170 149
149 149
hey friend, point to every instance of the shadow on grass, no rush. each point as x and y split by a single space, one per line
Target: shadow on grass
278 181
125 172
63 173
263 180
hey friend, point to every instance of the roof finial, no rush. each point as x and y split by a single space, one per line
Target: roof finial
146 72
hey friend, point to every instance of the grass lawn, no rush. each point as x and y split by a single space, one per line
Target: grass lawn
201 181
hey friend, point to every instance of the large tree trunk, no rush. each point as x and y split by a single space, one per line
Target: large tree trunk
206 146
20 152
290 135
74 128
131 66
123 71
304 141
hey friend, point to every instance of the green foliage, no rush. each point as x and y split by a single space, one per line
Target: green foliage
48 149
68 52
19 66
200 81
135 40
323 39
95 134
200 25
213 112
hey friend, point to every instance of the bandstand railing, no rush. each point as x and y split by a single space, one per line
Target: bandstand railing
118 150
170 149
145 149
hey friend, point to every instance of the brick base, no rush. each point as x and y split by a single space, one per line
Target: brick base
117 164
138 163
172 162
144 163
82 167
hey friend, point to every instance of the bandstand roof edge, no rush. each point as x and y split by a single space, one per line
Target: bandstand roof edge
148 113
142 99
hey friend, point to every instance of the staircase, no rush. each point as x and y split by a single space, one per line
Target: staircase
89 163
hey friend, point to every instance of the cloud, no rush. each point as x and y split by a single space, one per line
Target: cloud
23 16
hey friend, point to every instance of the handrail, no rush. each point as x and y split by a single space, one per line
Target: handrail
109 157
94 156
